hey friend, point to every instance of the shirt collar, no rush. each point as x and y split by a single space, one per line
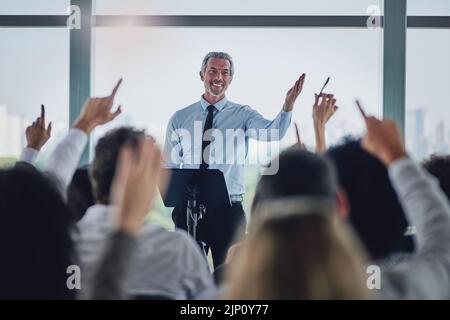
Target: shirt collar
219 105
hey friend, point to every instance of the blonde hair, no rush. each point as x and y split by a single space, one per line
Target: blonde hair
301 250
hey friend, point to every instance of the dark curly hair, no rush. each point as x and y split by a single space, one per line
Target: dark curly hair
439 166
35 239
375 211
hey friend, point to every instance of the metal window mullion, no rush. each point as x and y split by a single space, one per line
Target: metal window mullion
394 61
80 65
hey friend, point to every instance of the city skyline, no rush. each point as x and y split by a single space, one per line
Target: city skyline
423 136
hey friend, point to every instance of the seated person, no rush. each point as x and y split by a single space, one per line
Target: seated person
34 237
376 213
300 173
167 264
301 250
424 274
137 167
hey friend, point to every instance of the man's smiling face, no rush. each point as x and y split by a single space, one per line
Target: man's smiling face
216 77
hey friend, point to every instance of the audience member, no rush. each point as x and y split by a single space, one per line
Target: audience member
35 237
301 250
168 264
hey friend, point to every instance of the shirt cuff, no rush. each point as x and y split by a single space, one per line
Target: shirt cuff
285 113
29 155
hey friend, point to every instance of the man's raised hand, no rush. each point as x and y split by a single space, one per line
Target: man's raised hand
293 94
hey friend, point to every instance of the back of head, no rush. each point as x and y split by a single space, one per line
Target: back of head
106 155
35 237
300 173
439 166
307 254
375 211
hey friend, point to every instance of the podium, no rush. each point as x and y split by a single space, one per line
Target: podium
196 190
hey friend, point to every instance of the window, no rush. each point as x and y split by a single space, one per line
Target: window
160 68
233 7
428 8
34 7
427 83
35 71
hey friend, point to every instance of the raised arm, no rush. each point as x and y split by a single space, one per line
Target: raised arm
427 274
256 122
37 135
138 169
323 109
64 160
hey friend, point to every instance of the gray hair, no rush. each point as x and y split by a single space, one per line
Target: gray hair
219 55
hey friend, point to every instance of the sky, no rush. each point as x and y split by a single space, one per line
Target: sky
160 65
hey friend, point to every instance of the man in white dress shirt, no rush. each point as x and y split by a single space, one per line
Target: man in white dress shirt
219 117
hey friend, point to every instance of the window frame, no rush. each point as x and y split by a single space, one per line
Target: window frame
394 23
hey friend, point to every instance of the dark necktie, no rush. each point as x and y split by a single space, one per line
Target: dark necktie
207 138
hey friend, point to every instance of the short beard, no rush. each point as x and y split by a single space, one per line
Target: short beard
217 94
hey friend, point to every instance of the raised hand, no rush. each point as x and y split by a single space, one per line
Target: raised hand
382 139
37 133
97 111
299 143
134 186
323 109
293 93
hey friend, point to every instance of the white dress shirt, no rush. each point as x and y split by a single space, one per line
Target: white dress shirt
426 273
